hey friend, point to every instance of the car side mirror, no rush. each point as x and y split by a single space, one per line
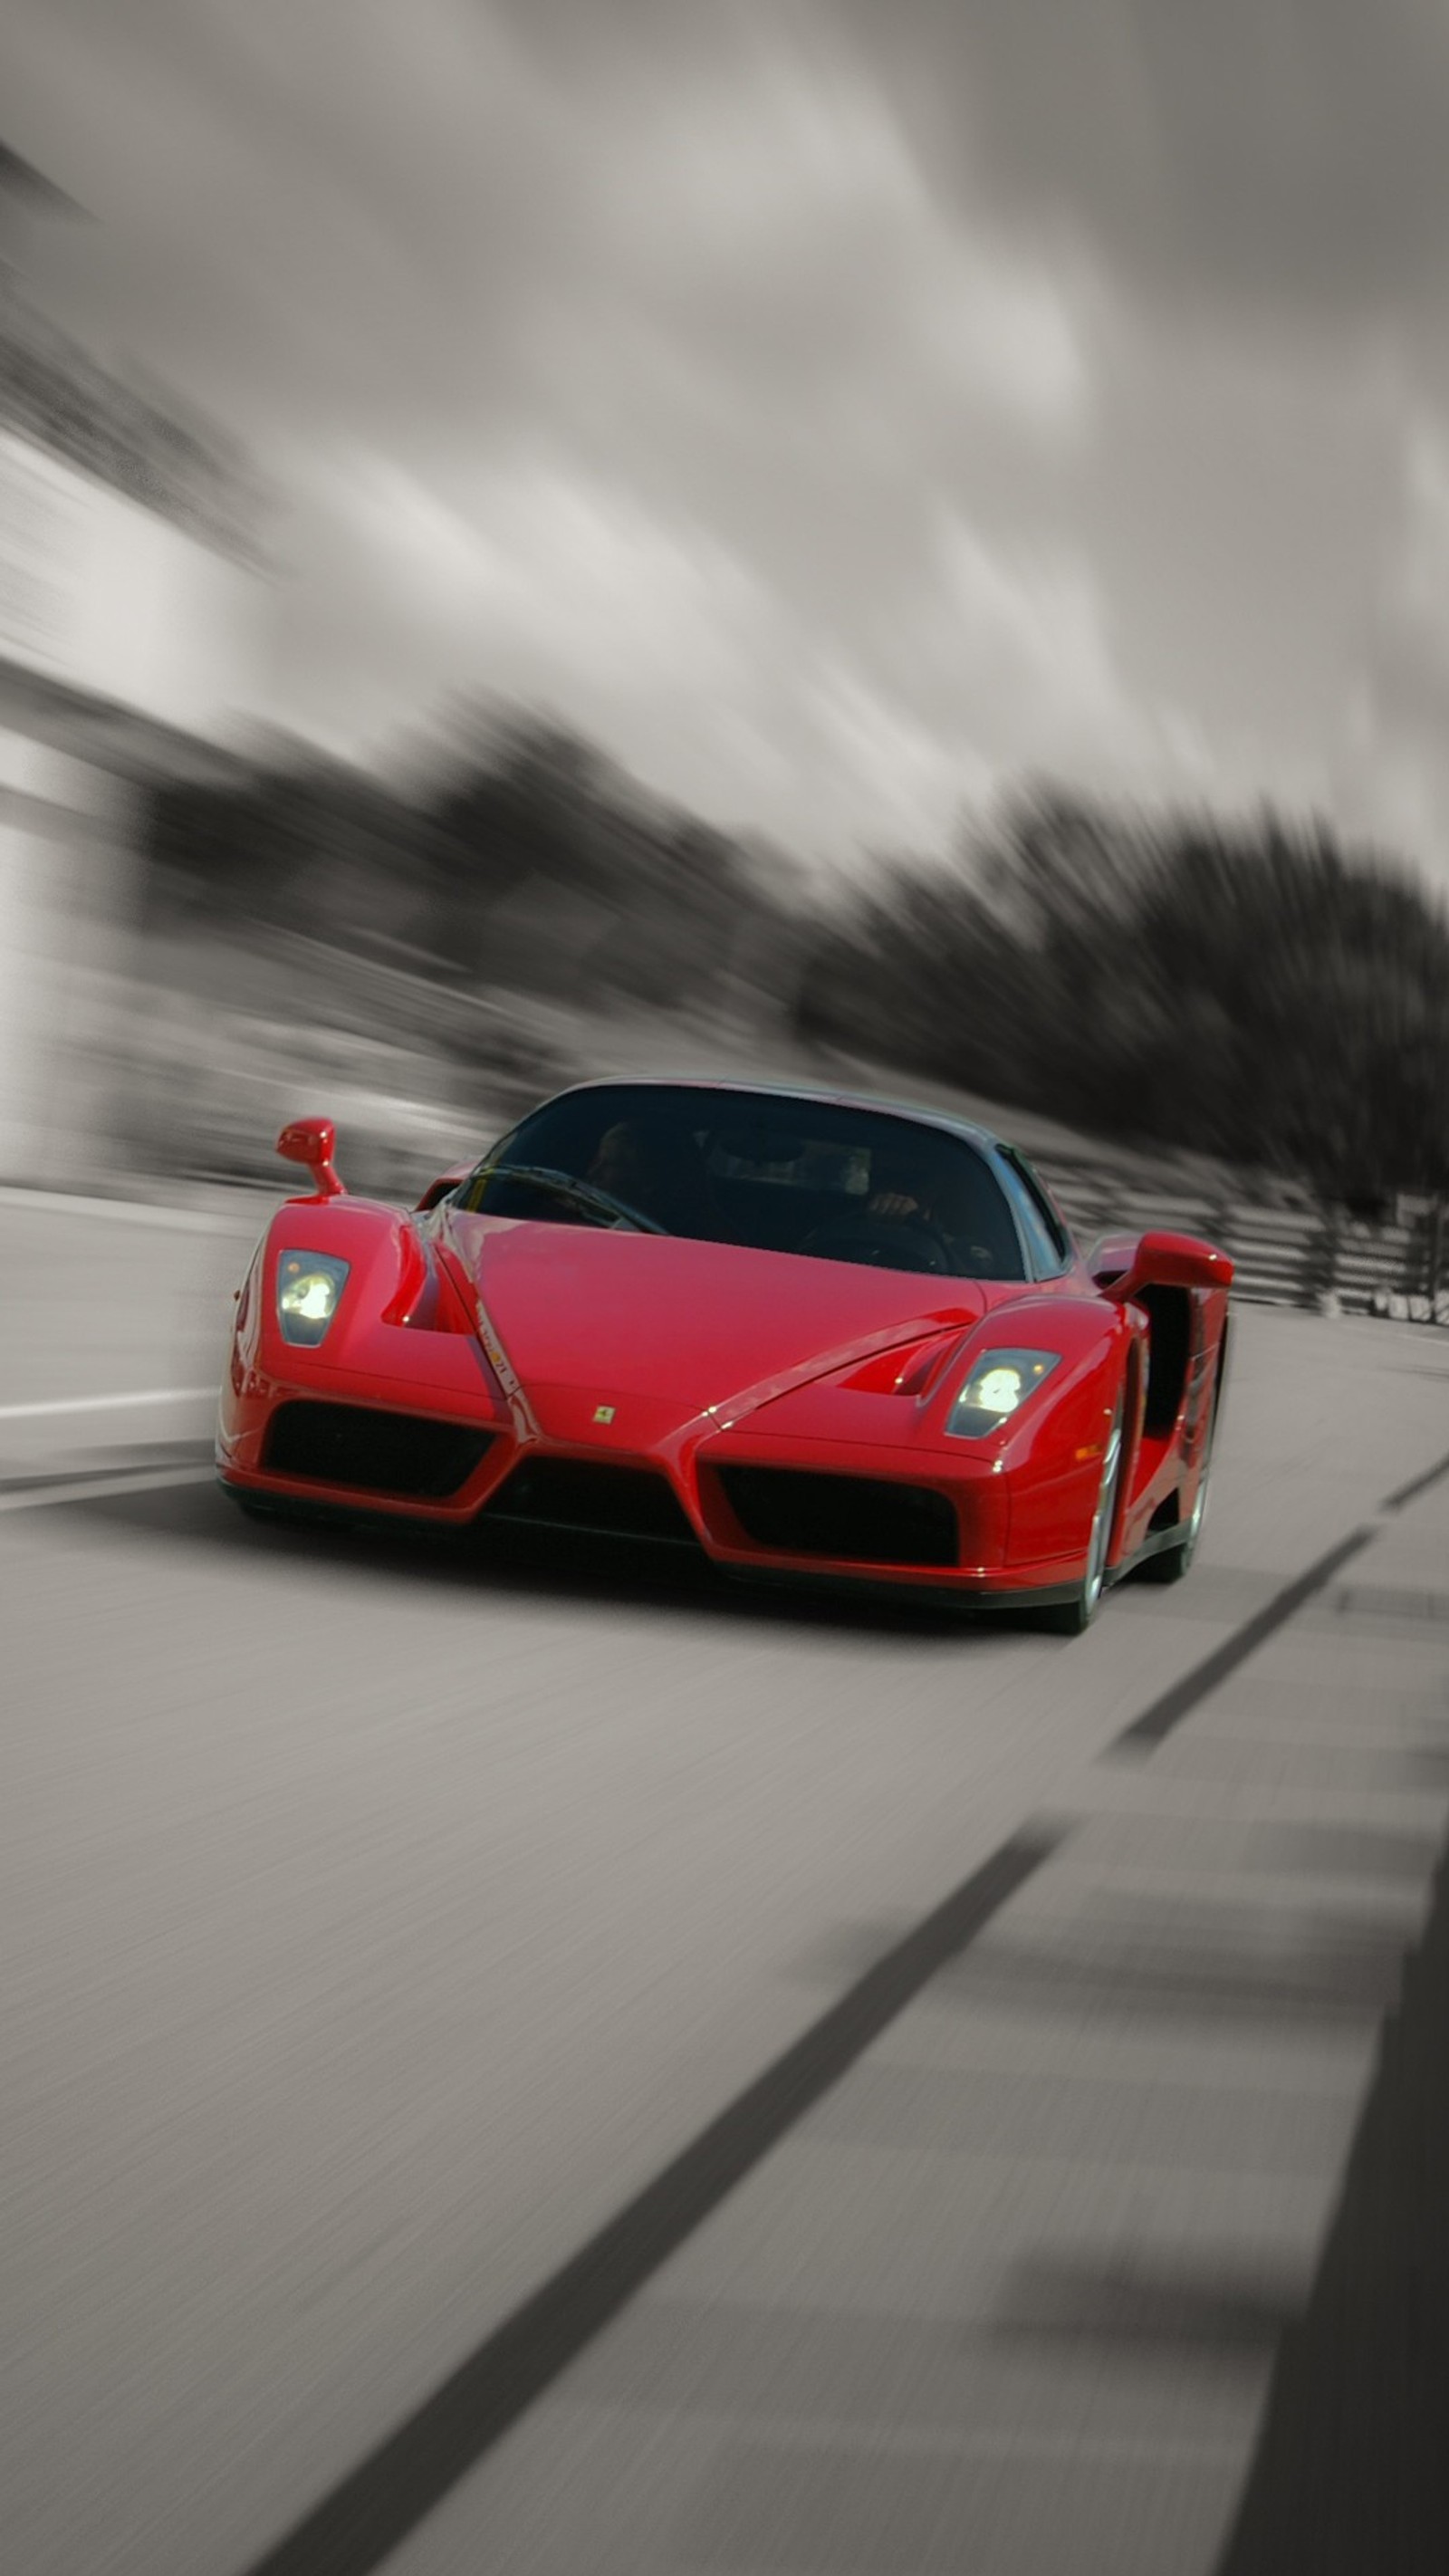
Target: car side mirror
1159 1260
310 1141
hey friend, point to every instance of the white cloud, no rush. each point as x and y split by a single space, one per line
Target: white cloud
722 689
1416 597
661 364
787 182
1393 770
884 777
1032 633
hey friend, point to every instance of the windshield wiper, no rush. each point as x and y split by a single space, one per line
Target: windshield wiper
583 1194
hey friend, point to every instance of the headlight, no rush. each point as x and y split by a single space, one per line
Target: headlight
998 1386
309 1285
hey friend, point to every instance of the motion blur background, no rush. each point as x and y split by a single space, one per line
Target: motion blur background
543 540
903 546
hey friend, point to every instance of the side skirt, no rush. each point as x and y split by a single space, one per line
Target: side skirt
1156 1543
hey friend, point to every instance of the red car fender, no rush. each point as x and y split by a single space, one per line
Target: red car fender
395 1280
1083 1332
1051 1452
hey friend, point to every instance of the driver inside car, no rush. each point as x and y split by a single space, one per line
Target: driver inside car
901 1190
938 1197
656 1170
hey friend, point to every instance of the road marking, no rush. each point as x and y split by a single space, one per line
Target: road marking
370 2512
138 1211
1347 2472
23 1496
1179 1700
1419 1485
374 2509
105 1403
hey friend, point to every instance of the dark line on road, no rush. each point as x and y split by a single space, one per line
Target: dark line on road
364 2518
1419 1485
1181 1697
56 1481
1351 2468
372 2510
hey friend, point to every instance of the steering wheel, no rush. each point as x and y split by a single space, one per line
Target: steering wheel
882 1243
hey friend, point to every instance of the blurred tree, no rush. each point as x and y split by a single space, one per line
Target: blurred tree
527 859
311 846
1246 990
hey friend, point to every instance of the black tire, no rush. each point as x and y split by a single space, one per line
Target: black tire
1072 1618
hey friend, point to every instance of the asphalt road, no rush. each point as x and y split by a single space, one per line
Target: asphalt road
377 1921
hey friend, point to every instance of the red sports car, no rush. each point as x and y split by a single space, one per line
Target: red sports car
812 1335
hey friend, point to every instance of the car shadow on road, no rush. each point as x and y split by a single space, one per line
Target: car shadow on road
1211 2312
521 1565
1188 1963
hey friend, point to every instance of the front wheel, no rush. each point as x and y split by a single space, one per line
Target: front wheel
1070 1618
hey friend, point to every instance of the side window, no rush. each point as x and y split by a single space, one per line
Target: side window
1047 1239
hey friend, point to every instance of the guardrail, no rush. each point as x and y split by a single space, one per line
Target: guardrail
1284 1256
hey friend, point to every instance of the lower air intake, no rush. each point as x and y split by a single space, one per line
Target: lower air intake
612 1502
867 1519
404 1454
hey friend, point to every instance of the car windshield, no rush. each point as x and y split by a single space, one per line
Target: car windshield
781 1175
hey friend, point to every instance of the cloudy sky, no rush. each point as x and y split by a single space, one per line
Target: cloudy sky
840 408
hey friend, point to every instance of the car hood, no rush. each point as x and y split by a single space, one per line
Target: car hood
688 1325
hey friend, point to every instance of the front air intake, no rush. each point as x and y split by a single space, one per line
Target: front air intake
353 1445
605 1501
867 1519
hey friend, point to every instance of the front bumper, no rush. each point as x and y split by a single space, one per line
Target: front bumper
836 1512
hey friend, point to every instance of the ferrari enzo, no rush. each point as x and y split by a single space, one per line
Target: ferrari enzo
813 1336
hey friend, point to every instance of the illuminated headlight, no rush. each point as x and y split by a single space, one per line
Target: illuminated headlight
998 1386
309 1285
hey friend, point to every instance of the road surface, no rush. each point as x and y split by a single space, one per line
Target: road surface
380 1924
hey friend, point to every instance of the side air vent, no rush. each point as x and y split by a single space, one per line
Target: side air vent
1169 1341
372 1452
868 1519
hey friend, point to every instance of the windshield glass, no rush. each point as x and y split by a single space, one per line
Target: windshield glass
746 1167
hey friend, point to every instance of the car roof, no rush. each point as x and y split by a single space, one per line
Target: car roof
915 1110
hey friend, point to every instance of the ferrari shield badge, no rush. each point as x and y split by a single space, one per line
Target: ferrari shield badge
603 1413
